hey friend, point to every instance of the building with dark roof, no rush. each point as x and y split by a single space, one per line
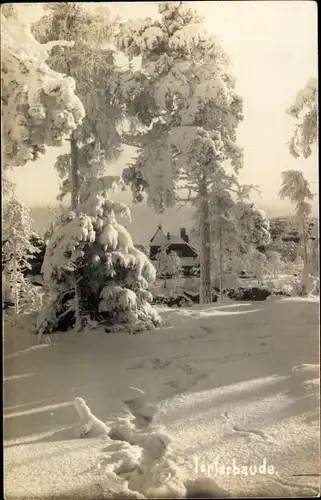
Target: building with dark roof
179 244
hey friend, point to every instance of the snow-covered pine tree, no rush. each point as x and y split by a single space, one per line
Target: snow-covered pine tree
91 248
252 226
168 264
236 226
253 236
17 250
161 261
297 189
175 267
39 106
305 110
259 264
101 85
190 112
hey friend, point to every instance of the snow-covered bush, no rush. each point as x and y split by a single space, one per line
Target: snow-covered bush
39 106
17 251
253 293
92 253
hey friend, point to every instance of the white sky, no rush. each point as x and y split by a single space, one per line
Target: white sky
273 48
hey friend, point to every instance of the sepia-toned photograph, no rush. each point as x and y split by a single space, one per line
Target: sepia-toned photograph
160 250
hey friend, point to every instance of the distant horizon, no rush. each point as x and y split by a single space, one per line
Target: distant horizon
171 220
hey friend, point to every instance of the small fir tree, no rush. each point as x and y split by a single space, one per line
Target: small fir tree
92 260
18 250
168 264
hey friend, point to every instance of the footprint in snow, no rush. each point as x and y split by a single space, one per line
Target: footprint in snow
256 432
207 329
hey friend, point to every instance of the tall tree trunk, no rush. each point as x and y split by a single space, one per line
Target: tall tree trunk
75 187
221 262
304 241
78 324
75 177
16 291
205 255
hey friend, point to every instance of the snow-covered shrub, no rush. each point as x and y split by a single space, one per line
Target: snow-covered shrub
39 106
92 254
18 250
253 293
287 289
272 284
178 301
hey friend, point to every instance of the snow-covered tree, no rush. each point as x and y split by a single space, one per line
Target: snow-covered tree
251 227
274 262
297 189
161 265
236 228
17 251
259 264
222 227
101 85
168 264
91 259
175 268
190 110
39 105
305 110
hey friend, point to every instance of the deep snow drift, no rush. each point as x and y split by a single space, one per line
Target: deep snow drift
229 390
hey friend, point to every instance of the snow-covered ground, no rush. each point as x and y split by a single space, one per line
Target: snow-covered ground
231 384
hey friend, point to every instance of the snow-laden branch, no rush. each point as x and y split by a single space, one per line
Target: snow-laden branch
39 105
305 111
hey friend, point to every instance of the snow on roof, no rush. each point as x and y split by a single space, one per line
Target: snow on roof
160 239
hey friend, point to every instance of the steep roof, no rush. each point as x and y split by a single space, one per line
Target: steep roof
160 239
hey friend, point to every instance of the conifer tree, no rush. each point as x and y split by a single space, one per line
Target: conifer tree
90 247
305 111
297 189
102 86
18 250
190 112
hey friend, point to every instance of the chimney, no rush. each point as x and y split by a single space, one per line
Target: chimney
184 235
159 226
168 236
